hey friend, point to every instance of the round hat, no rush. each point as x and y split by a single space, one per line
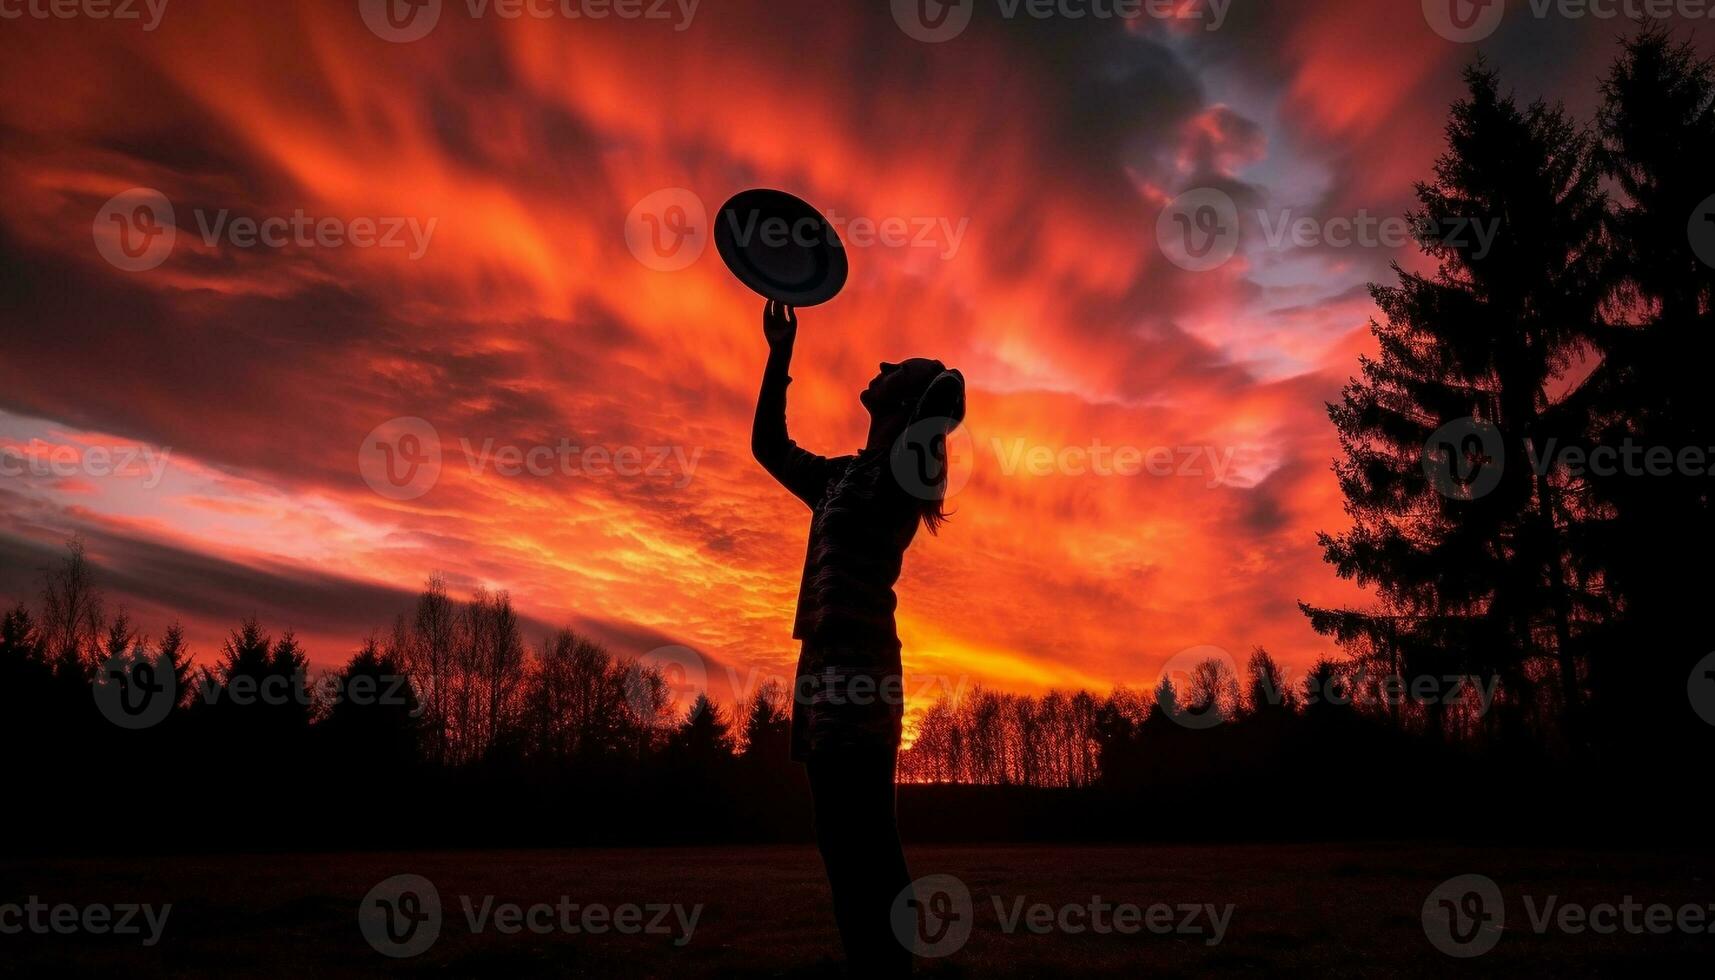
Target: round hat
781 247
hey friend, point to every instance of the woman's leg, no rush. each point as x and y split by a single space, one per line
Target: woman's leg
857 831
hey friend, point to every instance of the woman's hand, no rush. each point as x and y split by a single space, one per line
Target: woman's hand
779 325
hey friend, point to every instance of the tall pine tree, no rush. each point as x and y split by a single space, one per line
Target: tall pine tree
1468 555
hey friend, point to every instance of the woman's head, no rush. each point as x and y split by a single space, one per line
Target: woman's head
913 405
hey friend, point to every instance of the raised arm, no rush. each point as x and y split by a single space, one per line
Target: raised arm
798 470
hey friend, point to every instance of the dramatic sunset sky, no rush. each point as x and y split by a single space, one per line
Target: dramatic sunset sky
1052 146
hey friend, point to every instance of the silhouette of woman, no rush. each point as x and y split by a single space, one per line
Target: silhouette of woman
849 697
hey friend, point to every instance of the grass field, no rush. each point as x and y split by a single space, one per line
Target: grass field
1331 910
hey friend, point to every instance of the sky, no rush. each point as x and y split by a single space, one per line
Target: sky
461 236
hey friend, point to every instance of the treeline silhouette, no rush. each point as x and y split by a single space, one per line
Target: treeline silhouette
448 729
1556 543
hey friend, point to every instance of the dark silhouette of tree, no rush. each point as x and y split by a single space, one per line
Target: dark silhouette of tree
704 735
23 653
122 645
430 653
1165 706
72 616
1327 693
371 725
575 700
1121 721
259 687
1657 131
27 687
1212 690
1473 578
934 755
176 652
767 726
994 738
697 764
1266 691
492 665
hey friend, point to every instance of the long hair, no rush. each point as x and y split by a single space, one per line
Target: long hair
939 411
